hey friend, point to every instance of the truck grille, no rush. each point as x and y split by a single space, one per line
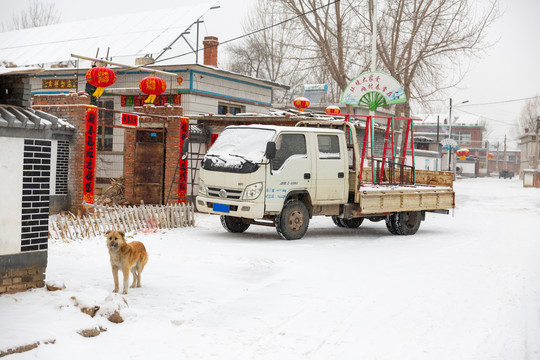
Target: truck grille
224 193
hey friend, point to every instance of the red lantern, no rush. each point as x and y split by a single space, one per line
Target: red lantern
301 103
333 110
100 77
462 153
490 156
152 86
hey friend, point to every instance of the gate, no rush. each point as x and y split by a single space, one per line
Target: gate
149 164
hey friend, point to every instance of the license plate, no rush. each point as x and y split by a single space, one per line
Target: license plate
220 207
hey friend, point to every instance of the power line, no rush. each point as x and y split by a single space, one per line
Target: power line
485 117
501 102
253 32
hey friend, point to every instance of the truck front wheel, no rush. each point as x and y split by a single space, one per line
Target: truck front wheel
234 224
293 221
404 223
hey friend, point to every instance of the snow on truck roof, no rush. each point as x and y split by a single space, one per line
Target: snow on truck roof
278 128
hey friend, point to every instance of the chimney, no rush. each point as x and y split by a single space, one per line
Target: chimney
210 44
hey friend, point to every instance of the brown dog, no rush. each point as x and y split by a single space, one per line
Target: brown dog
126 256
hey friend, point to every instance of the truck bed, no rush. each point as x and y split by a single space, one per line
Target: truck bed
433 190
386 198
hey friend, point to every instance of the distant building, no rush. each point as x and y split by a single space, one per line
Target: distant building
467 130
527 144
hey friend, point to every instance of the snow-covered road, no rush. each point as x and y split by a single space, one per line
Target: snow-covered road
466 286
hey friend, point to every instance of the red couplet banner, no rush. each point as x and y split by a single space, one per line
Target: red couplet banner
90 155
183 171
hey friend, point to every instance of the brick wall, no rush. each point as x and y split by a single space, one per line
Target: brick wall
72 108
35 199
62 168
23 271
16 90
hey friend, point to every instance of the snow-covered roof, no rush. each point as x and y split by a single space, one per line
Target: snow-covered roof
459 119
25 118
134 34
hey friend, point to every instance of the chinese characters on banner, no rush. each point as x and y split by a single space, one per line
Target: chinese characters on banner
59 84
89 155
182 177
130 120
213 138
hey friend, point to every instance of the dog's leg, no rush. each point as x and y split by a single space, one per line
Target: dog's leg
115 277
139 271
135 276
125 270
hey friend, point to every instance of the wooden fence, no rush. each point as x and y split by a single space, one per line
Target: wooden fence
144 218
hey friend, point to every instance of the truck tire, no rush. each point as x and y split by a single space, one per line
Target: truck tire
337 221
347 223
293 221
404 223
234 224
390 220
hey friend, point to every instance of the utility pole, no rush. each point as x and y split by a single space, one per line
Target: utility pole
487 157
497 147
536 152
504 156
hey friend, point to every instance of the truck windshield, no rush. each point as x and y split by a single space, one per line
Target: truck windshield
238 149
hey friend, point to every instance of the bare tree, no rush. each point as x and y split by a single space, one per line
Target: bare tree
528 116
421 43
37 13
267 54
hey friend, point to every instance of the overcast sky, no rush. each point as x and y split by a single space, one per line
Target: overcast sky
509 70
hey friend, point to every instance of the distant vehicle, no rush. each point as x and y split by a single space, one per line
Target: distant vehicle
505 174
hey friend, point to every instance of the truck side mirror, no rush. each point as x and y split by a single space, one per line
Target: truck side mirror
185 148
270 152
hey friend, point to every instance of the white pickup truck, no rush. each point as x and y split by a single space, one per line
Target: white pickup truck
282 176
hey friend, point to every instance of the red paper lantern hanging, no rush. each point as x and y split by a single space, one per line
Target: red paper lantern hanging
490 156
100 77
152 86
462 153
301 103
333 110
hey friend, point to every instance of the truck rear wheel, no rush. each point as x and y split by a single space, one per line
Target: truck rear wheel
293 221
404 223
234 224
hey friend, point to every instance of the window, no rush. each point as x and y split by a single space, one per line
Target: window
328 146
105 133
224 109
462 138
288 145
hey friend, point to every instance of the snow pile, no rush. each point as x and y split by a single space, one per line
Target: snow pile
466 286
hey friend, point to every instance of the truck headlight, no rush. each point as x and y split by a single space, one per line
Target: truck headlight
203 190
252 191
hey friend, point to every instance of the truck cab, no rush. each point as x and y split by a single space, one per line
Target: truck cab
241 178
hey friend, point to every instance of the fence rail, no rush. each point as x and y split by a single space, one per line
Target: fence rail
145 218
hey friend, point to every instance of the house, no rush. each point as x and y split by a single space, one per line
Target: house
467 131
530 151
34 170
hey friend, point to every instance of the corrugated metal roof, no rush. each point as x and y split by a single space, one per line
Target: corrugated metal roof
26 118
136 34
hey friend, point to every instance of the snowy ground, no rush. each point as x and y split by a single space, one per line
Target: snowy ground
466 286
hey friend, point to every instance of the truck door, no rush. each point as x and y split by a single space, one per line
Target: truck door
291 170
331 182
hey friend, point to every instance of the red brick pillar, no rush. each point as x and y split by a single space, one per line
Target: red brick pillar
72 108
